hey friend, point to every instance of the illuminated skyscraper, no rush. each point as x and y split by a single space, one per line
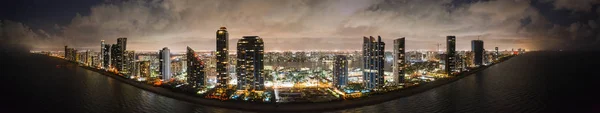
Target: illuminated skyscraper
101 52
249 65
340 71
222 54
373 55
450 54
144 69
399 60
195 69
164 57
106 56
128 62
477 48
88 58
120 60
115 55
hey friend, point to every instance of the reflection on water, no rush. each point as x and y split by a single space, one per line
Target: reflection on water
528 83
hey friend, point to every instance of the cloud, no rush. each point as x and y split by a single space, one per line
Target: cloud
304 24
576 5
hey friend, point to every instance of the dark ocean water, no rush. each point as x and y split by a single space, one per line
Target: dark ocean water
534 82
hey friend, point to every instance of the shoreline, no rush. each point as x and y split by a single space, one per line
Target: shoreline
291 107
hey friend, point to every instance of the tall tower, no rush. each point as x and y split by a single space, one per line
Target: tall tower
106 56
67 53
164 57
222 54
450 54
399 60
115 56
477 48
144 69
120 58
373 54
128 62
195 69
122 43
249 66
340 71
101 52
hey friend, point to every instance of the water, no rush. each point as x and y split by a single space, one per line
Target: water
534 82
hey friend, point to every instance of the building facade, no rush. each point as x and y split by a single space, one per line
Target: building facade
399 60
477 48
164 57
195 69
101 57
222 54
373 62
106 56
450 55
128 62
340 71
143 69
115 55
120 59
249 64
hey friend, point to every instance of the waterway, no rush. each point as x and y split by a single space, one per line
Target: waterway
533 82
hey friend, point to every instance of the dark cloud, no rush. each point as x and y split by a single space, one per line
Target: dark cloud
575 5
314 24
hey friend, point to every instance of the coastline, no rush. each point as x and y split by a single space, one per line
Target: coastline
291 107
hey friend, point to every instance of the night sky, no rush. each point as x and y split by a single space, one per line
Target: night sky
300 24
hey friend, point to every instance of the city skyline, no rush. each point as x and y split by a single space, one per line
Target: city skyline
245 77
388 56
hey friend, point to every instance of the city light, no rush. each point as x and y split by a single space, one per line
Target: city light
251 74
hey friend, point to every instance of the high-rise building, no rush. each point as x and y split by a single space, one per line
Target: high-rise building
114 56
121 64
144 69
128 62
373 55
164 57
340 71
177 67
450 54
477 48
460 63
95 61
88 58
71 54
249 65
122 43
399 60
195 69
101 57
67 53
469 59
77 56
106 56
222 54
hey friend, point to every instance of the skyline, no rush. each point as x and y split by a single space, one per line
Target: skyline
253 81
415 56
327 25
